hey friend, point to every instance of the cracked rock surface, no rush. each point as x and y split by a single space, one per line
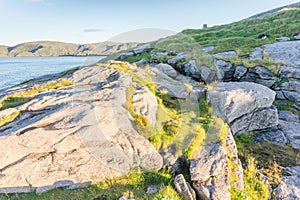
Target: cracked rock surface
244 106
74 135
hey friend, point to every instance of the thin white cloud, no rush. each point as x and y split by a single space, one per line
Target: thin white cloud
92 30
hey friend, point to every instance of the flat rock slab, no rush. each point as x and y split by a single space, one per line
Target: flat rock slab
284 52
75 135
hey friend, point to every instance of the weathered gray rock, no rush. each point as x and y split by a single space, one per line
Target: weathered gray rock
215 157
224 54
14 190
181 57
292 96
125 55
292 132
289 73
245 106
209 170
261 76
76 134
257 54
209 49
234 99
240 72
197 93
279 95
288 116
258 120
184 188
56 185
225 70
283 39
159 54
191 69
156 56
208 75
232 149
142 49
289 187
297 36
145 103
167 69
284 52
141 63
273 135
152 189
165 83
289 86
169 159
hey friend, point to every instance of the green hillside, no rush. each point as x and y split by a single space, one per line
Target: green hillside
242 36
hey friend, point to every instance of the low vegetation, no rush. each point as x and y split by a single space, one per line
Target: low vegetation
269 158
133 59
9 118
20 98
287 105
133 186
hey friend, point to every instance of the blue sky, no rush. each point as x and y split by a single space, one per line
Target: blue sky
86 21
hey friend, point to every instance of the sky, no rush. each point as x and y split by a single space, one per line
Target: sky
88 21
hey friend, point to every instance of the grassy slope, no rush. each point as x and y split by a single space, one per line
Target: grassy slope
242 36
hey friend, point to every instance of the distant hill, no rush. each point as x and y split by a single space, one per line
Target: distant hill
52 48
288 7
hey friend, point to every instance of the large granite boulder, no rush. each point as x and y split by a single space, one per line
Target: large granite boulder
289 187
284 52
244 106
74 135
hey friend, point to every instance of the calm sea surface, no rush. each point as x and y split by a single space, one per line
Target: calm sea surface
18 69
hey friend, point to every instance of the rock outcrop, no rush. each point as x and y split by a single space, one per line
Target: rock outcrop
287 53
210 171
244 106
184 188
289 88
145 103
289 188
73 135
